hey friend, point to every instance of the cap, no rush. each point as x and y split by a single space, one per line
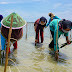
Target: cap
43 19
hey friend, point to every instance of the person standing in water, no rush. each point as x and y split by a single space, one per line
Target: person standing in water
3 40
64 26
39 26
52 17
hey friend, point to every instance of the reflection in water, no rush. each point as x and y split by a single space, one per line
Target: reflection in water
11 57
31 58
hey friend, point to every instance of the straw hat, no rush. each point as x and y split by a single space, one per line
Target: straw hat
18 22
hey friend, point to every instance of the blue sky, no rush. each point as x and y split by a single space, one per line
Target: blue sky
30 10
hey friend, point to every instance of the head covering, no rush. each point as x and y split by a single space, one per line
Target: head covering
1 17
71 24
51 14
18 22
43 19
65 24
65 31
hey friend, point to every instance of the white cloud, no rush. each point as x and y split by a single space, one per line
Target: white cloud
19 1
65 14
3 2
68 5
22 1
36 0
10 2
28 16
57 5
32 17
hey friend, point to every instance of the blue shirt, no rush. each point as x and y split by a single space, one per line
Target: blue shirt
3 41
53 27
55 17
0 25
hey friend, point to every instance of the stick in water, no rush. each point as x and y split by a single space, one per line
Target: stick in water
57 42
9 36
26 30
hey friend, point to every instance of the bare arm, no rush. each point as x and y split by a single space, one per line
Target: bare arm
67 39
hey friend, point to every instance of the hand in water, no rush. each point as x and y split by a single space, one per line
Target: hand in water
36 41
45 26
68 42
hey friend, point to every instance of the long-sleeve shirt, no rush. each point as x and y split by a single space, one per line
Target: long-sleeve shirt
3 41
55 17
53 27
38 23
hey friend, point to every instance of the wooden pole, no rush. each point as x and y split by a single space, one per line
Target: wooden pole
9 35
57 36
26 30
57 42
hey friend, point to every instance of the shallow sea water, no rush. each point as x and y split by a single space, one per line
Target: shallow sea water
28 58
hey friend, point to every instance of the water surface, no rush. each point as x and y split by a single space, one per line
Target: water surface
29 58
